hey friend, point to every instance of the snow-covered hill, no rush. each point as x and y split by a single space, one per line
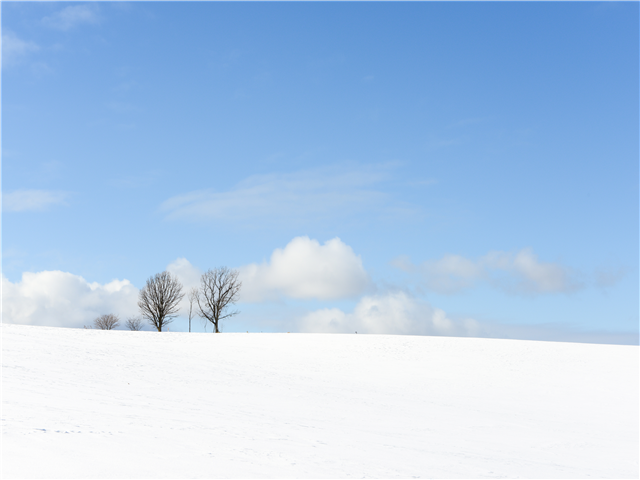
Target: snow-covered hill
96 404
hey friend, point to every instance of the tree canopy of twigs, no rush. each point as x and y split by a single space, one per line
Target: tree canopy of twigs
107 322
219 289
159 299
134 323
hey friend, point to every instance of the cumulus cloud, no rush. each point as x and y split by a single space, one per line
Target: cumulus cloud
304 269
391 313
61 299
32 200
322 193
521 272
14 48
72 16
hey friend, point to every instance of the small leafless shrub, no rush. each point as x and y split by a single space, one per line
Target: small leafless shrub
107 322
134 323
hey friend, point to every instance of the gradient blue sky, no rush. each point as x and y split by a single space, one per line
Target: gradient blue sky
477 159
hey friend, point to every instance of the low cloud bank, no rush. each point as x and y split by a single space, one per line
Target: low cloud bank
62 299
391 313
307 270
398 313
304 269
521 273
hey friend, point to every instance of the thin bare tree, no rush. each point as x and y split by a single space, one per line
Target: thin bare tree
219 289
193 294
107 322
134 323
159 299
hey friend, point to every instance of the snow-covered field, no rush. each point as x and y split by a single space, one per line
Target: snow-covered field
118 404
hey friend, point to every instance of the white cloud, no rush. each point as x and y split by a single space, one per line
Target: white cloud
521 272
32 200
14 48
530 274
72 16
56 298
318 194
188 275
391 313
304 269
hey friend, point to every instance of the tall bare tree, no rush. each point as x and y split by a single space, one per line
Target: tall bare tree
193 294
219 289
159 299
107 322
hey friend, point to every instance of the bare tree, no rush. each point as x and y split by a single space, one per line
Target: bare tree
134 323
107 322
193 294
219 288
159 299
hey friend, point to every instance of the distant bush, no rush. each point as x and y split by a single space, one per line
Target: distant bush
107 322
134 323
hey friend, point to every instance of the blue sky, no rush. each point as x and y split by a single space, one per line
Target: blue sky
438 168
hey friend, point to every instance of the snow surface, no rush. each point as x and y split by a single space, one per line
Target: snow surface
118 404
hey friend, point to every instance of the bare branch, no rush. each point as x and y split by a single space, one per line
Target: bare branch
219 289
159 299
